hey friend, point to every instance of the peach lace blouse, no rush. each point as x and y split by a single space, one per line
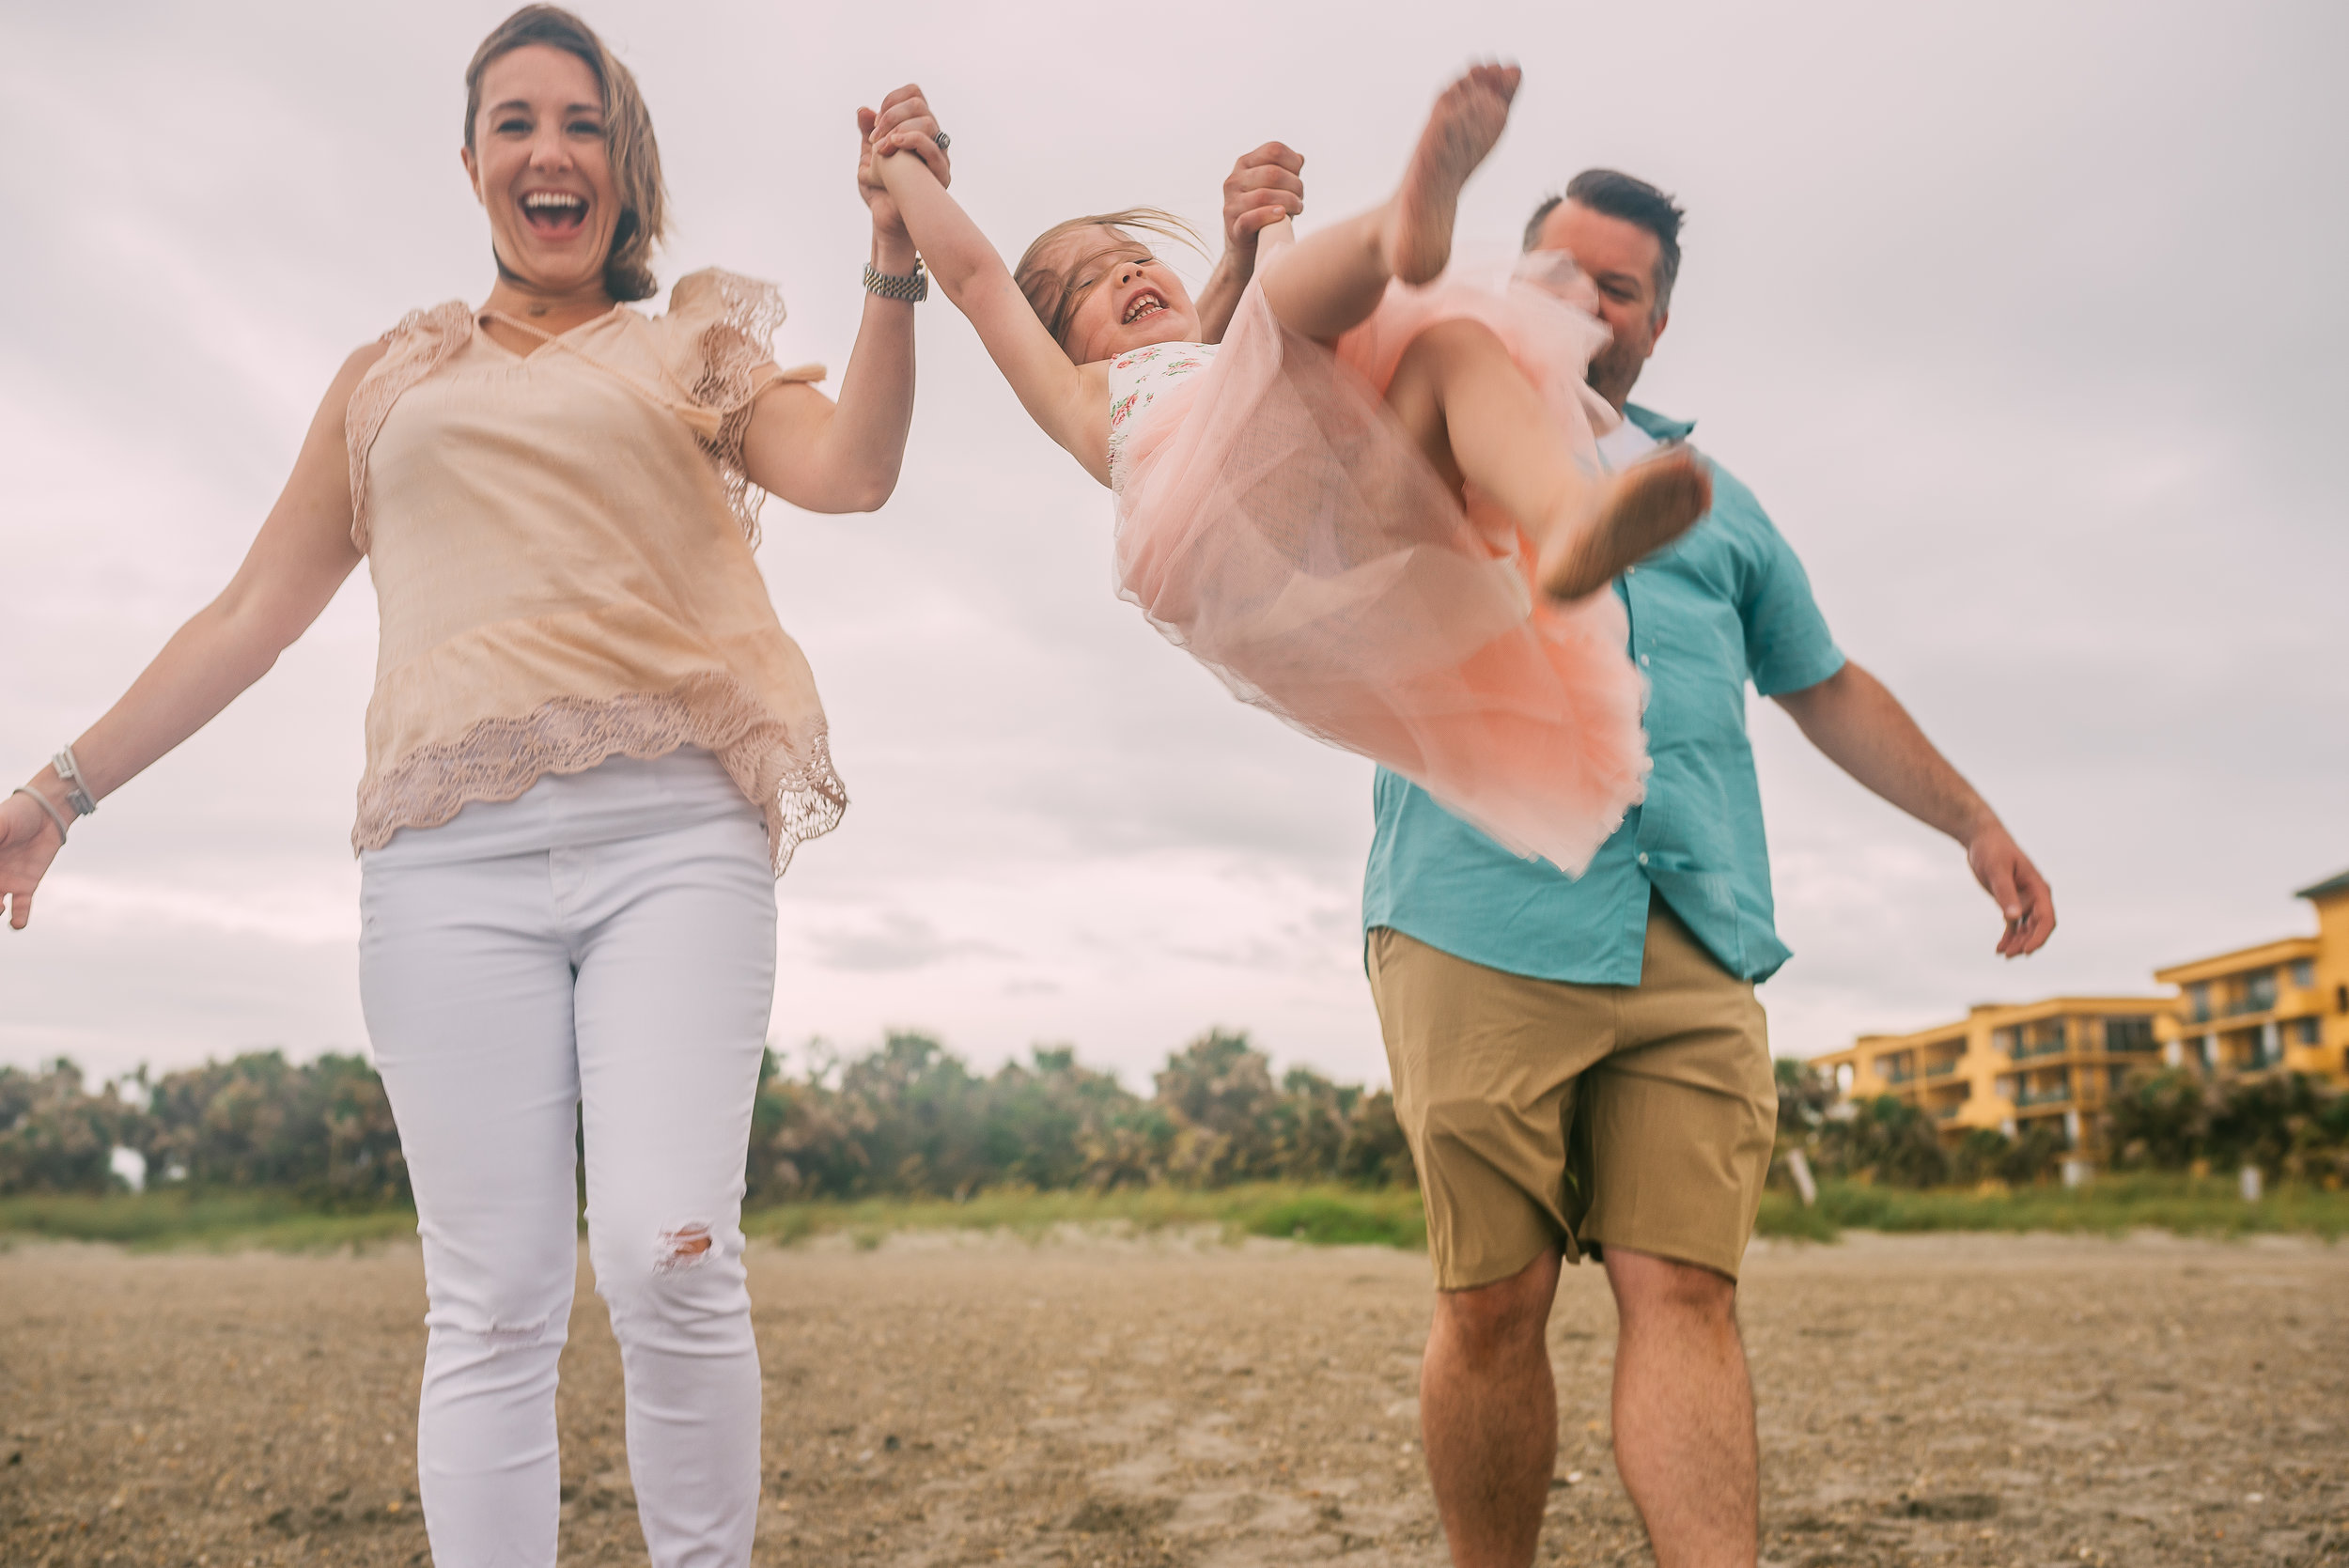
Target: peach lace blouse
562 552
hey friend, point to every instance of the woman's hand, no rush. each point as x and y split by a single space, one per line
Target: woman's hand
903 124
28 842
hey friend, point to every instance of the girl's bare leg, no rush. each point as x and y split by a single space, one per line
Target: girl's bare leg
1481 422
1333 279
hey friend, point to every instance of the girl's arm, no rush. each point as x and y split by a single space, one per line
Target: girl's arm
300 556
1069 401
844 457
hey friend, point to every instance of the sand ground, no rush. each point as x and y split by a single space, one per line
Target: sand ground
1106 1403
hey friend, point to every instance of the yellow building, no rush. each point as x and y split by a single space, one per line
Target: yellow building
2281 1004
2009 1066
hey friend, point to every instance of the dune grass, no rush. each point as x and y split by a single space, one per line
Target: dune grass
282 1221
1321 1216
1325 1216
2111 1204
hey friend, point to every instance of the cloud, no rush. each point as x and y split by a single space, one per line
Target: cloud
896 943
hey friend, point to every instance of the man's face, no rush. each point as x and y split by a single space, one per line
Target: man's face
1620 258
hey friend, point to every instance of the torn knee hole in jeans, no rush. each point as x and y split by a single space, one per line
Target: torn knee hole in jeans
682 1248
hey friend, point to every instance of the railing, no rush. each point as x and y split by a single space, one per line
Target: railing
2259 1000
2044 1096
2025 1050
1946 1112
1896 1075
1941 1069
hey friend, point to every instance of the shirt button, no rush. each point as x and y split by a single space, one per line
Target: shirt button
1643 661
1631 572
1644 857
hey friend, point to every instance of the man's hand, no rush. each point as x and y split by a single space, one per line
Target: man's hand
1863 730
2023 895
1264 187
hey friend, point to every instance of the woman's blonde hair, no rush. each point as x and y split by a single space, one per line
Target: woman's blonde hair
627 137
1052 292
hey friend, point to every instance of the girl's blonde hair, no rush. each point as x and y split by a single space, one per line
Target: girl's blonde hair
627 137
1052 292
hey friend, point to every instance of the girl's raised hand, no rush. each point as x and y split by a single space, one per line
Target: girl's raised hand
903 123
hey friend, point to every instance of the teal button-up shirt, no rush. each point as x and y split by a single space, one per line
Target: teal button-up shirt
1727 604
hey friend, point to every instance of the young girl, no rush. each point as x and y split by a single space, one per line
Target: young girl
1340 509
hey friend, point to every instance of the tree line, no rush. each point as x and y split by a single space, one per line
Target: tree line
2294 1127
909 1118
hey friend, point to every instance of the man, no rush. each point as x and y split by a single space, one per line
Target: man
1582 1066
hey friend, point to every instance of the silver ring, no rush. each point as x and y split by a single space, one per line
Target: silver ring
943 141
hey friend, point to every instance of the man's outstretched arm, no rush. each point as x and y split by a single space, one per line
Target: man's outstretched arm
1264 187
1864 730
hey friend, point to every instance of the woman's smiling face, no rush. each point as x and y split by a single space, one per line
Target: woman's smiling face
1126 297
540 169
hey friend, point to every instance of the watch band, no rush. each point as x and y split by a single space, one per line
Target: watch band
912 287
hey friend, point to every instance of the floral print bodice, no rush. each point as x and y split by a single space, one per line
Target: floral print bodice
1137 378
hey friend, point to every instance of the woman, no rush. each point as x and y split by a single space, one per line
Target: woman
590 750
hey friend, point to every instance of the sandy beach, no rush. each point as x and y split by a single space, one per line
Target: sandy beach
1103 1403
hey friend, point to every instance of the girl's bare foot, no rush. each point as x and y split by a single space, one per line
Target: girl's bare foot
1466 122
1625 516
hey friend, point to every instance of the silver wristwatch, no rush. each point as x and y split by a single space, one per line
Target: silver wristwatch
913 287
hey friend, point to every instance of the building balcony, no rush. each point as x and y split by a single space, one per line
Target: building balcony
1941 1069
2044 1096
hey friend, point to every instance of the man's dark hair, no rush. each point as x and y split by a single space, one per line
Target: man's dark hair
1633 200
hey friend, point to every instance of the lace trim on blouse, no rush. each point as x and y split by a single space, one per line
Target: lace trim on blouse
733 349
789 778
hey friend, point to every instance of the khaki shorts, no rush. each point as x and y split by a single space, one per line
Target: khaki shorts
1545 1113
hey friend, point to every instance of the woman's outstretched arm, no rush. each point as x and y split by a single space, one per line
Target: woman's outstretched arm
300 557
844 457
1069 401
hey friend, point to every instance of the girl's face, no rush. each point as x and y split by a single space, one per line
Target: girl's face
540 170
1126 297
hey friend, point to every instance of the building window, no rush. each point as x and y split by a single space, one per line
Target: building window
2304 974
2197 998
2128 1035
2304 1031
2258 991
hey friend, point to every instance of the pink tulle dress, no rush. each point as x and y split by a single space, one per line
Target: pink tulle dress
1277 523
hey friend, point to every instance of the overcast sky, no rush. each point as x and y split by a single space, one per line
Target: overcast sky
2026 321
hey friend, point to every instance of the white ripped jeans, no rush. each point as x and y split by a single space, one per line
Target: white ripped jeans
605 946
